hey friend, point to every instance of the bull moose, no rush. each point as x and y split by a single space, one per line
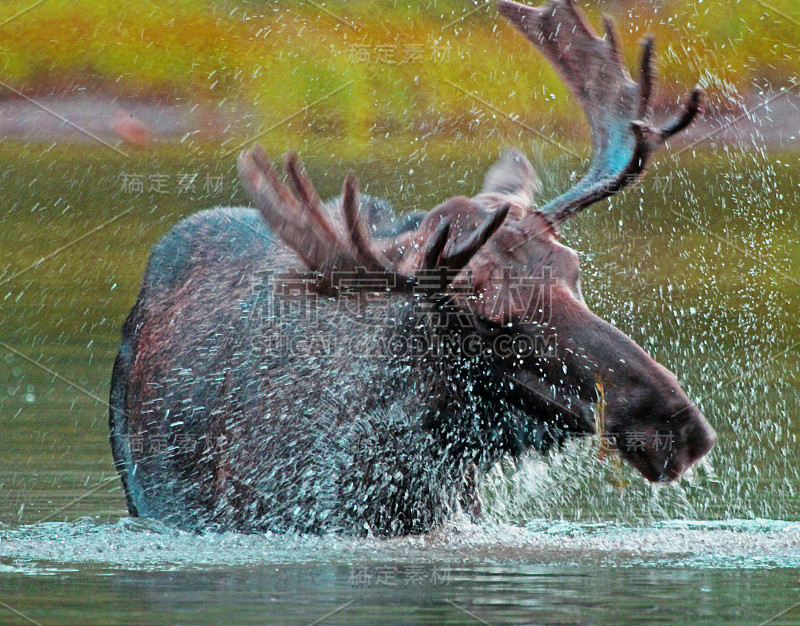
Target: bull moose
317 366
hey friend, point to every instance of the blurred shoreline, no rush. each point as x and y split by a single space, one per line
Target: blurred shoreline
147 125
218 73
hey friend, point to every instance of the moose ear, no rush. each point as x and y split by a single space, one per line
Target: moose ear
513 177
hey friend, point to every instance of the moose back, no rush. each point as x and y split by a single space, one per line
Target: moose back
329 367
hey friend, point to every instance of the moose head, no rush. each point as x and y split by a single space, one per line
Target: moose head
503 261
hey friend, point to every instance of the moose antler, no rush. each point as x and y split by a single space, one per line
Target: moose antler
622 144
326 246
614 104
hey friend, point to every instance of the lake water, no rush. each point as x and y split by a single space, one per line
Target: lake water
700 265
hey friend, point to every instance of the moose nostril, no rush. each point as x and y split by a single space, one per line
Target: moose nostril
708 439
701 439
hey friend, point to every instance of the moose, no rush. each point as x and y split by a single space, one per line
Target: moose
315 367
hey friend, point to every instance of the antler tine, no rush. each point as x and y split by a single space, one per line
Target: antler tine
366 254
645 77
301 182
691 108
458 258
614 104
611 38
261 161
307 194
435 244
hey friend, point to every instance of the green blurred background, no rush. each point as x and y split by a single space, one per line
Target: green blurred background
272 58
